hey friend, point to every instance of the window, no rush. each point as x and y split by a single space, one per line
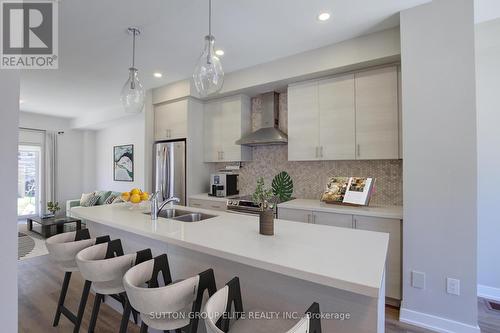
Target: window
28 189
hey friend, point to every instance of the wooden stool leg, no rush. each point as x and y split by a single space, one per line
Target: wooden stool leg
62 297
95 312
125 317
81 309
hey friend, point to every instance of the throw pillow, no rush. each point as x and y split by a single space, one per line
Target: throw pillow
85 197
89 200
110 199
118 199
103 195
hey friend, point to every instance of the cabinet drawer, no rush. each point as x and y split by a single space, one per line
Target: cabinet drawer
333 219
297 215
207 204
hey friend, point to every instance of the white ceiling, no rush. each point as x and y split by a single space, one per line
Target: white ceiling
95 50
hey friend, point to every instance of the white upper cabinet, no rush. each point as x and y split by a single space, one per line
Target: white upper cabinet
226 121
377 123
303 122
171 120
346 117
337 118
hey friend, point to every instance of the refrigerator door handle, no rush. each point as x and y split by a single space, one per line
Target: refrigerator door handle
169 181
164 174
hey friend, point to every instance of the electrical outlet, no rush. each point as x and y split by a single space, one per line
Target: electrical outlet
453 286
418 280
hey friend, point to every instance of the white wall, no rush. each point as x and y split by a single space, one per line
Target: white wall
488 136
72 160
89 167
129 130
439 169
9 111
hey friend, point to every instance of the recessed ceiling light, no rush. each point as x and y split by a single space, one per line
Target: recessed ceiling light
21 101
157 74
219 52
324 16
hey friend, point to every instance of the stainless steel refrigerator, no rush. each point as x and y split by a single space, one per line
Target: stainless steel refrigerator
170 170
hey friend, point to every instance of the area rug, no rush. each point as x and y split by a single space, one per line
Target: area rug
30 244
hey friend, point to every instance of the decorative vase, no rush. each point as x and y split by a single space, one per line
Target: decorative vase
266 222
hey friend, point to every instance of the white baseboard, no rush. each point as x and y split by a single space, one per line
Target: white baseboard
434 323
488 292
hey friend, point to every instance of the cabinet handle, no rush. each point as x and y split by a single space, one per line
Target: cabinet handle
308 218
195 204
314 219
216 207
358 150
355 224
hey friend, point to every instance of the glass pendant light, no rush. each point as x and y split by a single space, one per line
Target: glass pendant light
208 75
133 94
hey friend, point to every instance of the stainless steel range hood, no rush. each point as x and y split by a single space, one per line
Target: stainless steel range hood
269 133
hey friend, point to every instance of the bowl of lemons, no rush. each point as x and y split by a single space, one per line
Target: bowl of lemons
135 198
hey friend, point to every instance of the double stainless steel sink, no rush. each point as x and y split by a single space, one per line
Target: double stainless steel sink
183 215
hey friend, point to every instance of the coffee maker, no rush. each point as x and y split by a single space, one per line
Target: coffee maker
223 185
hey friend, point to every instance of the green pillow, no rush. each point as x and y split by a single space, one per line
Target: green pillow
103 195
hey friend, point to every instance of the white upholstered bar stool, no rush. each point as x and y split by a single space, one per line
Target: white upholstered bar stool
227 302
63 249
167 306
104 266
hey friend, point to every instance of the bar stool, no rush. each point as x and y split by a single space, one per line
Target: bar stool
63 249
169 306
104 266
219 308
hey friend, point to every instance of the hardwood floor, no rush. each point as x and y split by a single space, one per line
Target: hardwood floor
39 283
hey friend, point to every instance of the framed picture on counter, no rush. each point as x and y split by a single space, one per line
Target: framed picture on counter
123 163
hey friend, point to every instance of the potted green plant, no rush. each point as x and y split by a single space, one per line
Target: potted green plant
53 207
264 198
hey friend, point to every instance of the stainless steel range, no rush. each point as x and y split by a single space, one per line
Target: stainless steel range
244 205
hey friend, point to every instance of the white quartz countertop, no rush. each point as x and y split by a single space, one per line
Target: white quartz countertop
346 259
389 212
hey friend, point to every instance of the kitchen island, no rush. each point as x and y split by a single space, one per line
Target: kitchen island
341 269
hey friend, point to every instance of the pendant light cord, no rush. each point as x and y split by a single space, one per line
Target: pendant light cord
210 18
133 47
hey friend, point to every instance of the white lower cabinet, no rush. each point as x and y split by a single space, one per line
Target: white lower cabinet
297 215
207 204
393 266
309 216
332 219
390 226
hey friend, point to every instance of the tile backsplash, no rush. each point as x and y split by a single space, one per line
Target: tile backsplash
310 177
